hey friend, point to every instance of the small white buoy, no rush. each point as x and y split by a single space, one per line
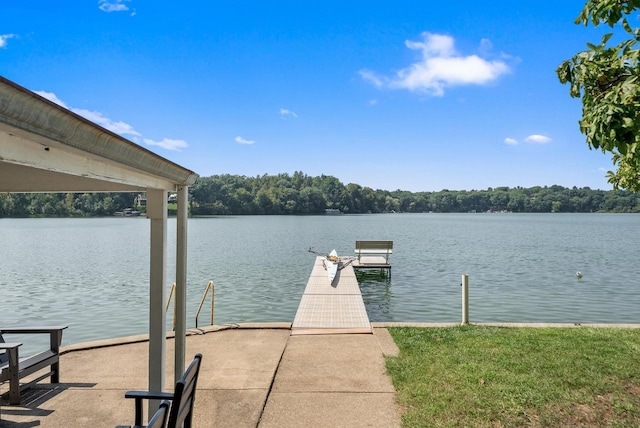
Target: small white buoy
578 274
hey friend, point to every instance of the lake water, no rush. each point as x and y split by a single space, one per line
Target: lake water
92 274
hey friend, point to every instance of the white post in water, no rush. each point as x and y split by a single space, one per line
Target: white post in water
465 299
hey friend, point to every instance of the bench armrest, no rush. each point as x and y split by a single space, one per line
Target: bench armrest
146 395
54 332
149 395
10 345
9 356
32 330
9 362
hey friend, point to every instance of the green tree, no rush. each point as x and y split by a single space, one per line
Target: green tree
264 202
358 202
312 201
606 78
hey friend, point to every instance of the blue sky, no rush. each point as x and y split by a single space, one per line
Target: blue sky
413 95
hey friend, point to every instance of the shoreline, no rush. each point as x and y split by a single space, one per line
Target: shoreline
125 340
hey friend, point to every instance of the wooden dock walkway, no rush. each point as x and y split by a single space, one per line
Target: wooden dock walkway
327 308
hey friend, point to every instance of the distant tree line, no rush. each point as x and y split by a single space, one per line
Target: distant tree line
63 204
301 194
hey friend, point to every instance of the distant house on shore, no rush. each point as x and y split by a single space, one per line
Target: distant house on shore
140 201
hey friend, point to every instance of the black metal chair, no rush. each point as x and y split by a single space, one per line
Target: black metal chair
158 420
182 398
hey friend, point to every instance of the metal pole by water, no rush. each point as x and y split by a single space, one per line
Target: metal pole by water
465 299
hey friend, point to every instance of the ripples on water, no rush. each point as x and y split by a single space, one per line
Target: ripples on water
93 273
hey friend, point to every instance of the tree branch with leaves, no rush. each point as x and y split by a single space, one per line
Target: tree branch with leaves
606 78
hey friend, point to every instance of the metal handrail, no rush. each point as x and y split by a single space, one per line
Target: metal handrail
211 287
173 289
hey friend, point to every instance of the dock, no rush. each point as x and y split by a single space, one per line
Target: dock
331 308
371 262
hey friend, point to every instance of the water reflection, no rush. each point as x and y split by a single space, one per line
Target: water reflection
375 286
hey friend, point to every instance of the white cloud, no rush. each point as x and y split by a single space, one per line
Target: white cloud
485 46
373 102
441 67
167 144
537 139
288 113
118 127
510 141
241 140
51 97
4 38
115 126
113 6
371 77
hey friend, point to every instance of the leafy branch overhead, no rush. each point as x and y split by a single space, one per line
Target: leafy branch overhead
606 78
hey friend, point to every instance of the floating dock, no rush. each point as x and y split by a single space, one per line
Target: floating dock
372 262
331 308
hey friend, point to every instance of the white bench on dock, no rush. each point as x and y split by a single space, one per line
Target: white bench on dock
373 254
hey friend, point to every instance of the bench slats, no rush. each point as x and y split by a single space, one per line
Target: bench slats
27 366
374 245
374 251
37 362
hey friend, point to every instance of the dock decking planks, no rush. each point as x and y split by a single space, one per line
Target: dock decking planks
335 308
371 262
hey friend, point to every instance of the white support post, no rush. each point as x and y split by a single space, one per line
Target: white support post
181 281
157 213
465 299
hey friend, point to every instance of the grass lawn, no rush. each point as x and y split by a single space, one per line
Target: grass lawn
476 376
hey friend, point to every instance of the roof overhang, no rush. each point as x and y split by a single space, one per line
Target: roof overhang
45 147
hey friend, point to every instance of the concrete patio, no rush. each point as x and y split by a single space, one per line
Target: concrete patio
250 377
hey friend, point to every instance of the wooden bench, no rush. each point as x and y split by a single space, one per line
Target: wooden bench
13 368
377 248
